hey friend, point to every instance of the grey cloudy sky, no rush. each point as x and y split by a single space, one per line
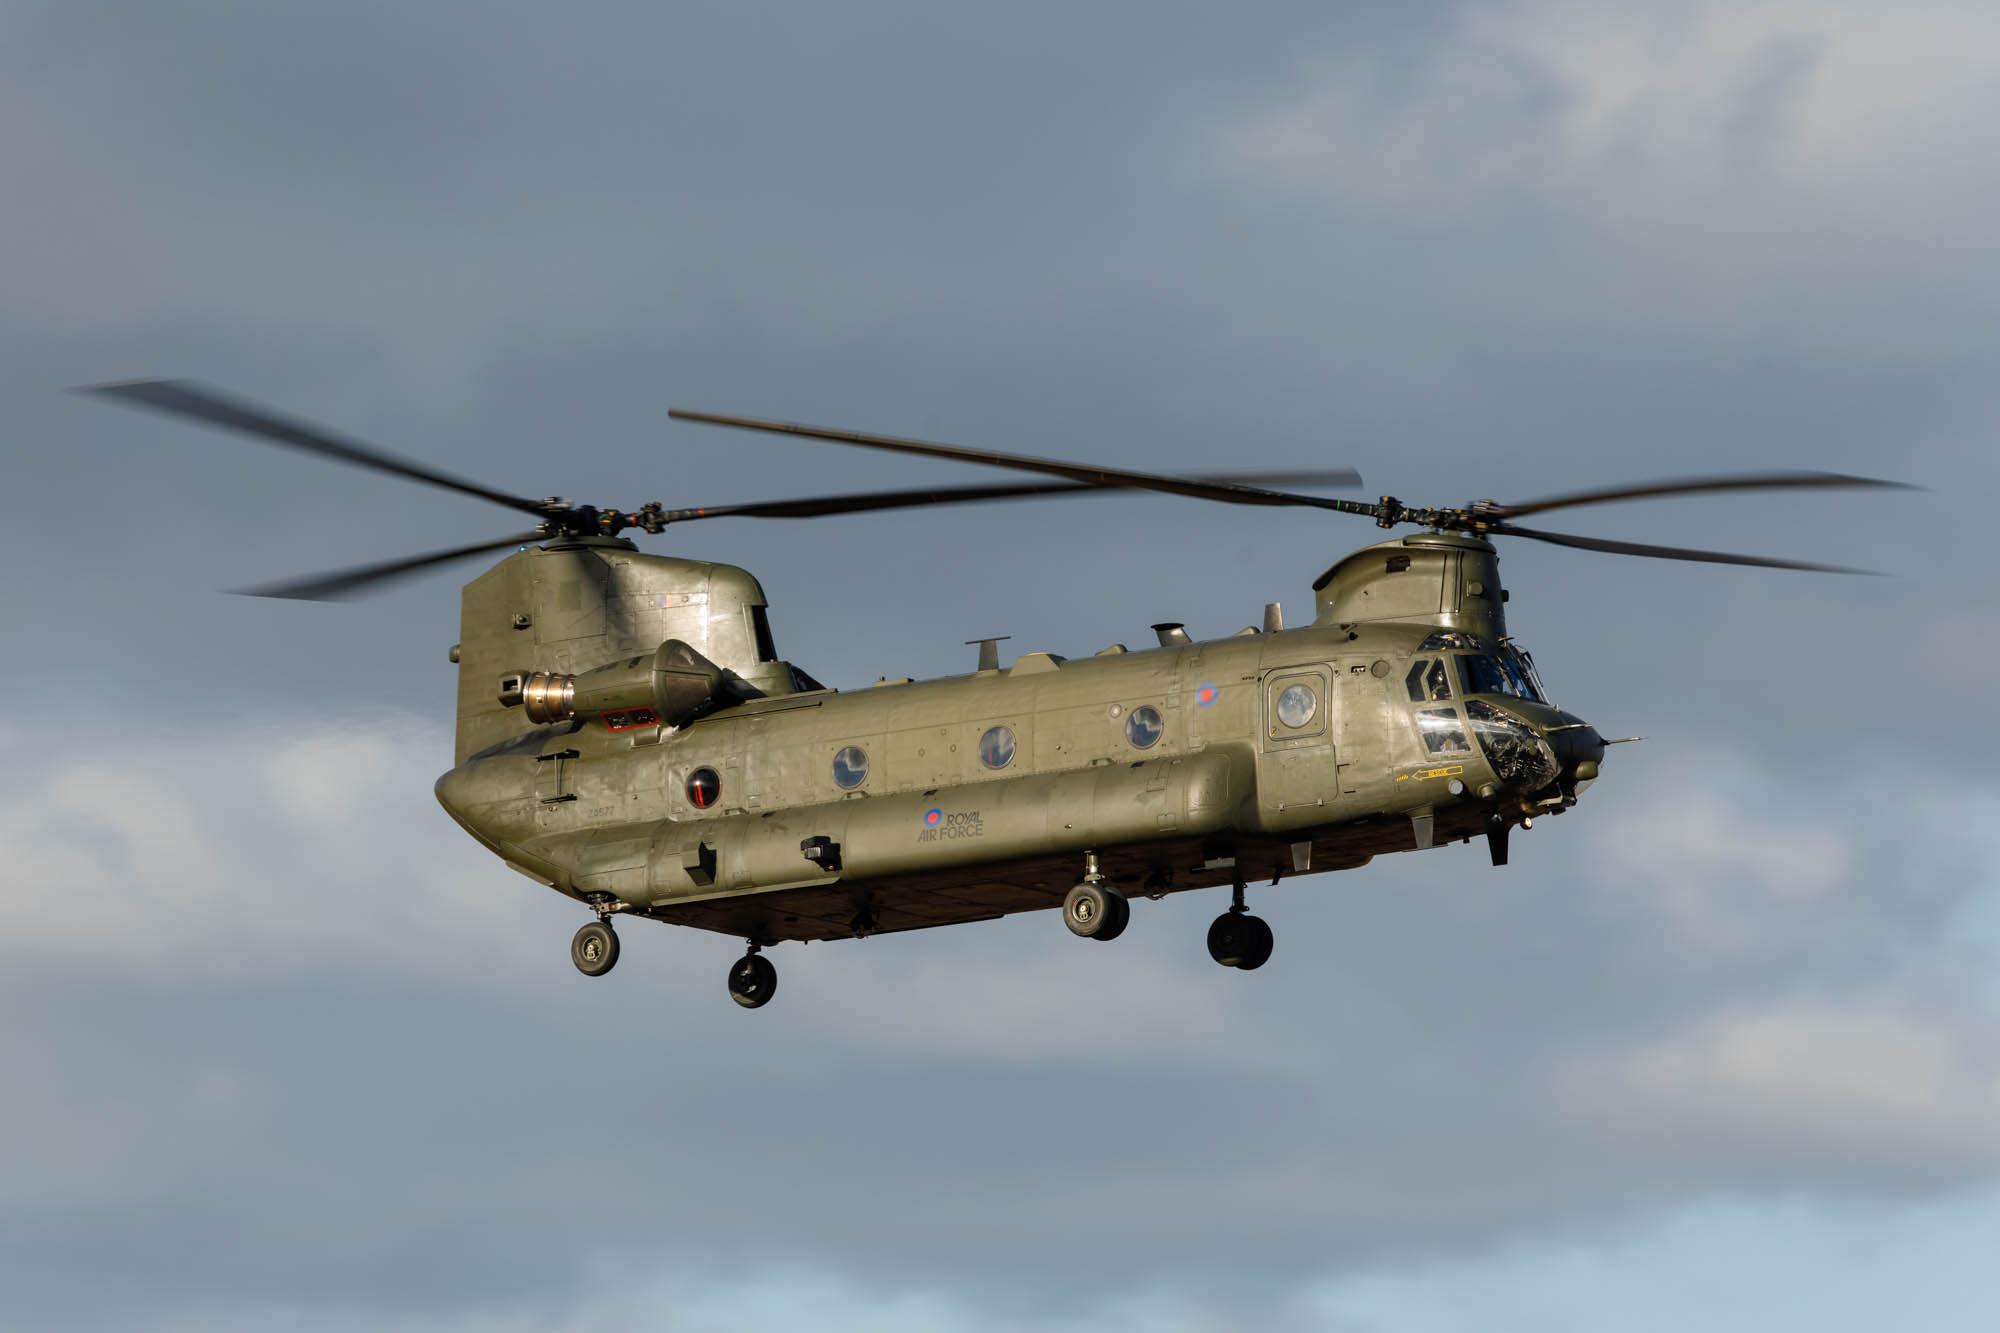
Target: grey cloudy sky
283 1048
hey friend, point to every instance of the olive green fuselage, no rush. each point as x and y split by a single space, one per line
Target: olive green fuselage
822 814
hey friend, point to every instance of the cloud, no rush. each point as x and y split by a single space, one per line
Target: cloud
278 1008
258 848
1902 1094
1560 97
284 1046
1669 190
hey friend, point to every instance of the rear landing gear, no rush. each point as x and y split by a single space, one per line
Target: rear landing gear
1239 940
594 949
753 980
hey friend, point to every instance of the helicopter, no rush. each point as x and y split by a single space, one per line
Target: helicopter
628 736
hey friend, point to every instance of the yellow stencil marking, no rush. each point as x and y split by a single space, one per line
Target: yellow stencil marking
1423 773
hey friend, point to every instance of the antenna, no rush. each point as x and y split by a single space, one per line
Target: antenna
989 651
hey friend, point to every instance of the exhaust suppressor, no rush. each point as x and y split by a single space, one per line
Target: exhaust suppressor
677 683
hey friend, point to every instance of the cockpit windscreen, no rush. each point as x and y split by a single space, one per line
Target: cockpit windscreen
1483 673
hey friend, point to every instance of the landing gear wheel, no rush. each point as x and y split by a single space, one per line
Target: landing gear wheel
1260 944
753 981
594 950
1228 941
1095 912
1240 940
1124 906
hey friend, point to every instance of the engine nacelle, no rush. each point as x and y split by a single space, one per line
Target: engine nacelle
674 682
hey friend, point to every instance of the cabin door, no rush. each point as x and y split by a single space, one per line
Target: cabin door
1295 762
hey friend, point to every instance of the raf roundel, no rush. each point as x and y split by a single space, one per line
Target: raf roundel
1206 694
932 818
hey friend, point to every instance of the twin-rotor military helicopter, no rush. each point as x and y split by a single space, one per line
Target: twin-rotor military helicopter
627 734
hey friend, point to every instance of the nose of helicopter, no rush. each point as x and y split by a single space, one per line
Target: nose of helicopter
1578 748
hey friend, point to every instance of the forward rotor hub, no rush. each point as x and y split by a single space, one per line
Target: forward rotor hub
562 519
1477 518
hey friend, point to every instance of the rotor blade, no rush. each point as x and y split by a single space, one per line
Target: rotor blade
340 583
1668 552
1753 481
821 506
186 398
1229 492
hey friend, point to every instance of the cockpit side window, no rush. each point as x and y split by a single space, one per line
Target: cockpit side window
1428 681
1442 731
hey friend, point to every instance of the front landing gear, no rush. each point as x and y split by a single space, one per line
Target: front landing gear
753 980
1095 912
594 949
1093 909
1240 940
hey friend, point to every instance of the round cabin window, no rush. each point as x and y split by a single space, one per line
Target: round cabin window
996 747
1144 727
1296 705
850 768
704 787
